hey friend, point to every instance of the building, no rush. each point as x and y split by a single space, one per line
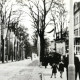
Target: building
77 27
62 42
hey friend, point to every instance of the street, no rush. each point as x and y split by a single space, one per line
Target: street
47 74
21 70
28 70
39 30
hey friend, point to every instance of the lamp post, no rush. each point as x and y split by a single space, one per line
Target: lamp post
71 67
38 48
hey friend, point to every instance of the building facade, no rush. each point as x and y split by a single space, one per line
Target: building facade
62 42
77 27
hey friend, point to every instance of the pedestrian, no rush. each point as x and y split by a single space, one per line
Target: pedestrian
66 62
77 65
54 70
61 68
79 70
45 61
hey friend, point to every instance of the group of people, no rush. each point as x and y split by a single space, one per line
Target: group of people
76 63
56 67
64 63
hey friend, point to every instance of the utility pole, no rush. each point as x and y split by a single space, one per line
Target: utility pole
71 67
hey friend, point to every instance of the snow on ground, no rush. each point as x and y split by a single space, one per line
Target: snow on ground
20 70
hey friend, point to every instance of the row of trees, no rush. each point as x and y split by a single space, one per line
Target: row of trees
13 46
42 14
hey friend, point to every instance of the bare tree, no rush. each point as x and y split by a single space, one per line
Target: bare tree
8 17
58 20
39 14
2 2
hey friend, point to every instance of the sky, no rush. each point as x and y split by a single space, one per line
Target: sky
49 28
67 3
27 23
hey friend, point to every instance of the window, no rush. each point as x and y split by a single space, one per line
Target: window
79 31
79 16
76 21
76 32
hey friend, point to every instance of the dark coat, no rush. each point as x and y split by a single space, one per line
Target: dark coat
66 62
54 68
79 66
76 64
61 66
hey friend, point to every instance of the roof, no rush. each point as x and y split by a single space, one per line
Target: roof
76 7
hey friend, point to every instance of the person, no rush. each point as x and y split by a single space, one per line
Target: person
77 66
54 70
79 70
61 68
45 61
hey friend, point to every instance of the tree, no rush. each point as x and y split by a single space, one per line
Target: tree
59 20
2 25
9 16
23 37
39 14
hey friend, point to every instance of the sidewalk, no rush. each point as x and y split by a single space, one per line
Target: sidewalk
47 74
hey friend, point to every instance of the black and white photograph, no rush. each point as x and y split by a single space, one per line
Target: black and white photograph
39 39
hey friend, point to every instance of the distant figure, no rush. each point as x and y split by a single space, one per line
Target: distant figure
61 68
45 61
54 70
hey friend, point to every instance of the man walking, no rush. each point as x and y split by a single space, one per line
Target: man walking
61 68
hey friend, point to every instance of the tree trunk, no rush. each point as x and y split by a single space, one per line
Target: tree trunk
42 49
2 50
12 56
14 51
